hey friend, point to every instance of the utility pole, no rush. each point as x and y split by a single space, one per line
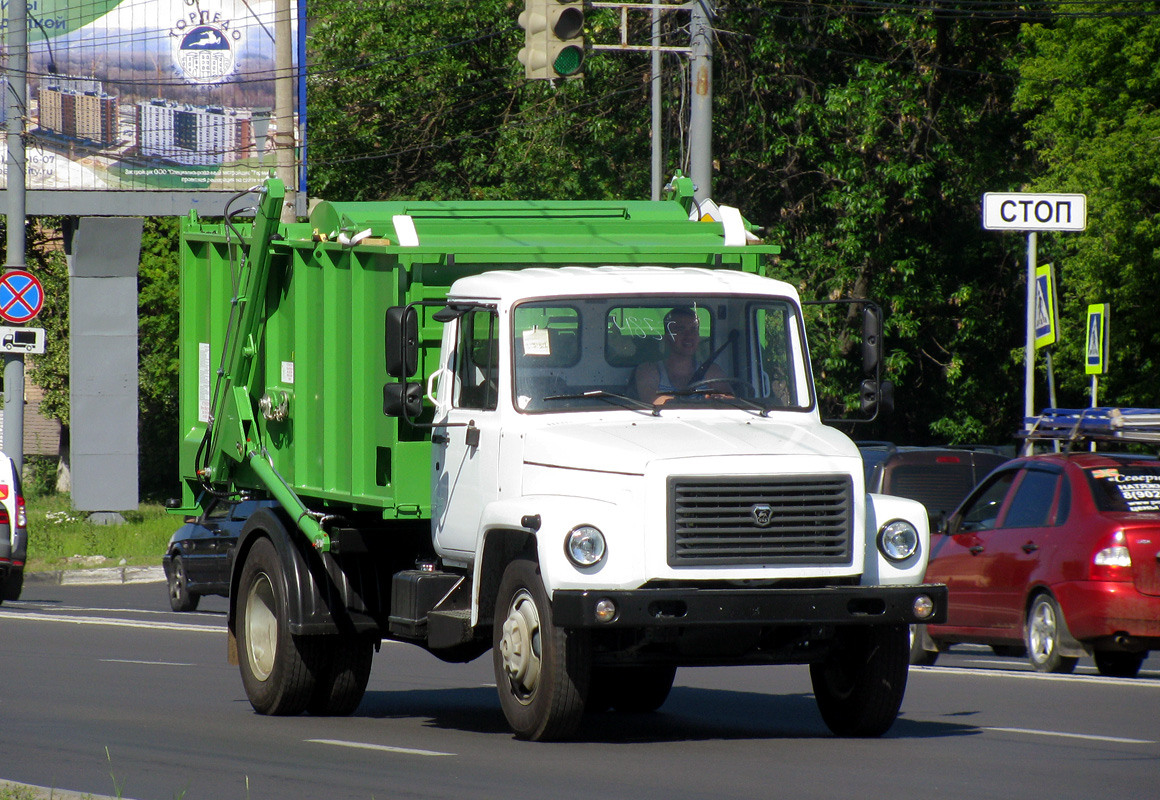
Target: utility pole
284 107
655 84
701 104
16 106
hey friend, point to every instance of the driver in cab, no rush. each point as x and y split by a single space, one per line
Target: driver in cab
678 371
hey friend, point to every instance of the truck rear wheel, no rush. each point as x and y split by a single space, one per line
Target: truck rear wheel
860 686
342 676
541 671
275 664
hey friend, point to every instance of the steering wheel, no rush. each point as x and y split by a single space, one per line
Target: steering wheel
712 386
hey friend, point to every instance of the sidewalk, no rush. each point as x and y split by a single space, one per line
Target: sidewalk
103 575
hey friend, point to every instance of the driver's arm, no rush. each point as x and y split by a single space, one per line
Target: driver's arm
646 380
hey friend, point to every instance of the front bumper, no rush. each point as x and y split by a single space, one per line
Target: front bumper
665 608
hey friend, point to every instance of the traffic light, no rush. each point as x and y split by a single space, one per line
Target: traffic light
553 39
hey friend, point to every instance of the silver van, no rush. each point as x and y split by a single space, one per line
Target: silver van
13 531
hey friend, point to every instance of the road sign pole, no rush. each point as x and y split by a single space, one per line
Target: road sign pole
1029 357
17 101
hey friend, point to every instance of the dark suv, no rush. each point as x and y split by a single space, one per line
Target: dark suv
937 477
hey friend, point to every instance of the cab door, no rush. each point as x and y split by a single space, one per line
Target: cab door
466 461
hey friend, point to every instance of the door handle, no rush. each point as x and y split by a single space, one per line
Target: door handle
1030 547
977 549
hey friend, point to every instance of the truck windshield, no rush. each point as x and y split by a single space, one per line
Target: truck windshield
588 353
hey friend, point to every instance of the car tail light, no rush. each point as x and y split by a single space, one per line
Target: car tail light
4 516
1112 562
21 517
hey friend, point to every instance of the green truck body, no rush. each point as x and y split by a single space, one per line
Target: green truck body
319 323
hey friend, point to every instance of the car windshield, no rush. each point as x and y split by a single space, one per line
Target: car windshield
592 353
1132 488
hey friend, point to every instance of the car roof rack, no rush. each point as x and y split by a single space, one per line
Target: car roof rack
1074 425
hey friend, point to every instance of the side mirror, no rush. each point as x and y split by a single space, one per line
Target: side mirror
877 398
403 400
871 339
938 520
402 341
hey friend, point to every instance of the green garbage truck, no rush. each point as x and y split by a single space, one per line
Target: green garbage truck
583 436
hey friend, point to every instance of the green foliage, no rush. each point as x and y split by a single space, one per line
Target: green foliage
428 100
62 538
157 332
864 142
1091 84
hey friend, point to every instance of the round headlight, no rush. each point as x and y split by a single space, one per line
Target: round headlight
584 545
898 540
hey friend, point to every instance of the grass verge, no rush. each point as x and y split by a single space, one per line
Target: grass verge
61 538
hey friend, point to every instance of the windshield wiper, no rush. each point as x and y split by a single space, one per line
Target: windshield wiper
612 397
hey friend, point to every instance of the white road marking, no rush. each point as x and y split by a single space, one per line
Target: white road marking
379 747
1085 736
118 623
1146 683
146 663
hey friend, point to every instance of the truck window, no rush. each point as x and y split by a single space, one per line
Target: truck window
572 354
477 360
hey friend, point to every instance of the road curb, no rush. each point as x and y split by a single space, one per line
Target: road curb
89 577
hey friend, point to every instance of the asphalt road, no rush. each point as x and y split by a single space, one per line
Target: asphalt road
103 690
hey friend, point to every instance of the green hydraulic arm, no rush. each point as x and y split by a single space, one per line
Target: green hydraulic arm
234 434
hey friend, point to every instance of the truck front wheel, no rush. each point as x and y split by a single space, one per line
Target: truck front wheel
274 663
633 689
860 686
541 671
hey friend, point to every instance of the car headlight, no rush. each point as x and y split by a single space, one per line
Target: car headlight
584 545
898 540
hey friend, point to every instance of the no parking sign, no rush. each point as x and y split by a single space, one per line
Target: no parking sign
21 296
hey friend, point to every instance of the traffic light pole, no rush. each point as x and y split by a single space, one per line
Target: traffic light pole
700 52
701 104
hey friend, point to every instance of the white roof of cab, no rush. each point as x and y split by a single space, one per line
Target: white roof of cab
508 286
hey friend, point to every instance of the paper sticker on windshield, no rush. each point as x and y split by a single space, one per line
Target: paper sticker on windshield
536 342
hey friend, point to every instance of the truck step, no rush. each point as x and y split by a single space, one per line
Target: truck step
449 628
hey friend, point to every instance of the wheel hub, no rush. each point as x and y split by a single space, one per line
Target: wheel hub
1042 633
520 645
261 628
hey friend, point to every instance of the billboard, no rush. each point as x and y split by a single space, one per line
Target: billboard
154 106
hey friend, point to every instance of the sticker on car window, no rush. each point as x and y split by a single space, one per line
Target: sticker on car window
1136 492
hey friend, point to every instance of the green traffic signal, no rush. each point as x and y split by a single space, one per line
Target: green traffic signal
553 39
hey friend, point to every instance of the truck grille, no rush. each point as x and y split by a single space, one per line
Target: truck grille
790 520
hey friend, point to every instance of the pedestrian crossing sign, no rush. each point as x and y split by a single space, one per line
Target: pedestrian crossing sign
1096 351
1046 309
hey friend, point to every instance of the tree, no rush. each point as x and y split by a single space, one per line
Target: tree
864 138
1090 85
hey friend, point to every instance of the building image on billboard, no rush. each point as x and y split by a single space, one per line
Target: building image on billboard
151 95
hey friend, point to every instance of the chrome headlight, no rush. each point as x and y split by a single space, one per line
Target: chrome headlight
898 540
584 545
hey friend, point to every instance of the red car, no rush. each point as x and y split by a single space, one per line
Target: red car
1056 555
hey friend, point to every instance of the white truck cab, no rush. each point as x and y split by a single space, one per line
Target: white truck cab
721 522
